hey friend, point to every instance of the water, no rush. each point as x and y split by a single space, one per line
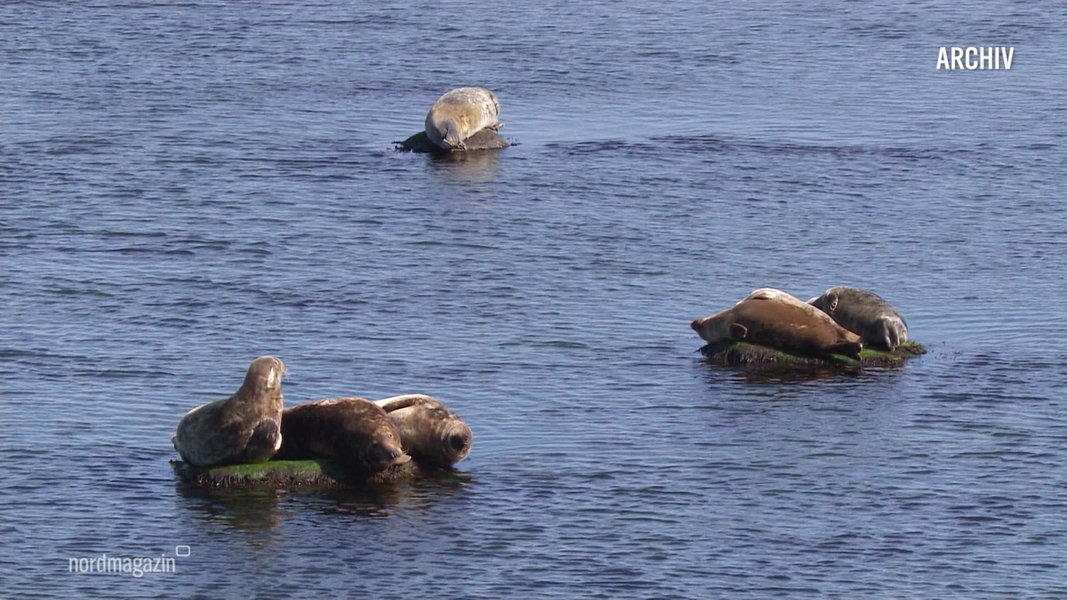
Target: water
188 186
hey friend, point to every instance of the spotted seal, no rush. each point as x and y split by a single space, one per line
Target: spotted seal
430 432
866 313
354 431
776 319
459 114
244 428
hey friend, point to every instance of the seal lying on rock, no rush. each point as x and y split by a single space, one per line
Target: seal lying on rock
244 428
775 319
354 431
461 113
430 432
866 313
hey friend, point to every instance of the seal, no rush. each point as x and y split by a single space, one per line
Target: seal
866 313
776 319
244 428
353 431
431 434
461 113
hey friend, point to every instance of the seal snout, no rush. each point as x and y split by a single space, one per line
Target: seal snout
458 441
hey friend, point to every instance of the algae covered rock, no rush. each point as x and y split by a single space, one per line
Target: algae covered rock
297 473
740 354
484 139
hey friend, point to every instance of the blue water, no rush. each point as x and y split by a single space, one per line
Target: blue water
187 186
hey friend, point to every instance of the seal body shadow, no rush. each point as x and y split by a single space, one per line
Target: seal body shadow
865 313
431 433
354 431
244 428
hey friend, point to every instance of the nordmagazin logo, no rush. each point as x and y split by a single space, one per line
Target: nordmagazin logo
136 566
975 58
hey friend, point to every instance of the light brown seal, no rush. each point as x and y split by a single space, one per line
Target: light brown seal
430 432
775 319
459 114
354 431
244 428
865 313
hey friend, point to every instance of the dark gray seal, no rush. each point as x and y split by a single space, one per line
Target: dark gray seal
353 431
865 313
244 428
431 434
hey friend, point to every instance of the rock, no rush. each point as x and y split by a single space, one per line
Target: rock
484 139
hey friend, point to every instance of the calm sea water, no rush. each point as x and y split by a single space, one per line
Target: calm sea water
187 186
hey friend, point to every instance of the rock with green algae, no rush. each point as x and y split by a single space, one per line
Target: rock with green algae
296 473
731 353
483 139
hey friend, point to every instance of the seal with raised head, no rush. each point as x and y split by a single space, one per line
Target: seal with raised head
431 434
459 114
353 431
865 313
776 319
244 428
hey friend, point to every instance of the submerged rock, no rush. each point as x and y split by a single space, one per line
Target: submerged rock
484 139
741 354
298 473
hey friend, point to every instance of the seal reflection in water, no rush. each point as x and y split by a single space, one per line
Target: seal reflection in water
353 431
866 313
461 113
775 319
431 433
244 428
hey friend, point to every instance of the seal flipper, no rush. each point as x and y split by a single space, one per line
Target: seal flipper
849 349
738 331
894 331
264 441
834 299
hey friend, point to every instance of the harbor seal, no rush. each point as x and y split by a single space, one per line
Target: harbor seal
866 313
459 114
244 428
354 431
430 432
776 319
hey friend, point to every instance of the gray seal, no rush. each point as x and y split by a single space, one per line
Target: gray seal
431 434
865 313
461 113
244 428
353 431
